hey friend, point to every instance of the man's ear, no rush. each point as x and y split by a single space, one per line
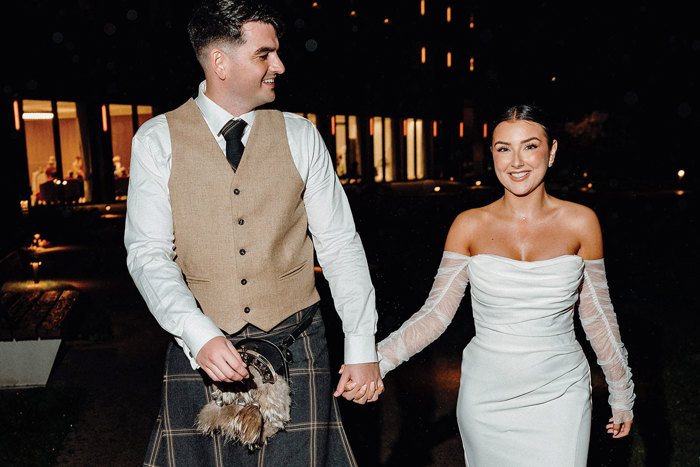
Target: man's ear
218 62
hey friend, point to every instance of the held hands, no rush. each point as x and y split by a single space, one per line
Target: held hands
360 382
619 430
221 361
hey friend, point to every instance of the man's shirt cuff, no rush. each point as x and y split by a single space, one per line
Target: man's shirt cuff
360 349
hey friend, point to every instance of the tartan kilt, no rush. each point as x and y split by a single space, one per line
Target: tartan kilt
313 437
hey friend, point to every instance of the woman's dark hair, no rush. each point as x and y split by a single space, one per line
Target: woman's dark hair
221 20
529 113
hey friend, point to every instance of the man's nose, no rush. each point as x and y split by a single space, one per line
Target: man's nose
277 66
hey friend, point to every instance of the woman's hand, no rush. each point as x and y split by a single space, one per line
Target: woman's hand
619 430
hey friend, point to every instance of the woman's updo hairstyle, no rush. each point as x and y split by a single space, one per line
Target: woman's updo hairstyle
528 113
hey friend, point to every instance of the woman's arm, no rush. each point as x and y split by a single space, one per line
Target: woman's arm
428 323
600 324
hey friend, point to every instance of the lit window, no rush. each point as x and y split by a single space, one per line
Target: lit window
144 113
471 21
471 64
449 59
449 14
76 167
41 153
422 7
461 129
341 149
122 126
422 54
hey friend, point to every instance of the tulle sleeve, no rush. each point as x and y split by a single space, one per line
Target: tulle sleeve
600 324
428 323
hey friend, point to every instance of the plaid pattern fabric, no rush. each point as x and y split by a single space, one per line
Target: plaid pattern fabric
314 435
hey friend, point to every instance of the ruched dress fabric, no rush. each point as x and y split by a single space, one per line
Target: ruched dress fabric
525 390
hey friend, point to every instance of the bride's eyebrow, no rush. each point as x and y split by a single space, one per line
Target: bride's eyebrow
535 138
501 142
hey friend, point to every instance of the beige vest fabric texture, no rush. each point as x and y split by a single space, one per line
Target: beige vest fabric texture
241 237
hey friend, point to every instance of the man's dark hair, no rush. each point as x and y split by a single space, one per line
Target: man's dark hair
528 113
221 20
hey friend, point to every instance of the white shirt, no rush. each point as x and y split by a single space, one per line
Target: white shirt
149 234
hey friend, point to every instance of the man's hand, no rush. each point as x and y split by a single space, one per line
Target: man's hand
360 382
221 361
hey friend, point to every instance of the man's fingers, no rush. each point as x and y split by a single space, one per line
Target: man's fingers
341 385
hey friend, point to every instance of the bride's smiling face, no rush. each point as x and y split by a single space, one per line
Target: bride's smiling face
521 155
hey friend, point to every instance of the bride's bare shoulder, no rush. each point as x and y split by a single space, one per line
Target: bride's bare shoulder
471 218
578 215
465 227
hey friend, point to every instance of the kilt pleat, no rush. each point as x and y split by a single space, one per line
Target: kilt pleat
313 437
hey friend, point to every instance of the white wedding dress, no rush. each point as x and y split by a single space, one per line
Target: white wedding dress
525 391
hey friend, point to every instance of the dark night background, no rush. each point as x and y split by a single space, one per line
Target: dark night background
620 81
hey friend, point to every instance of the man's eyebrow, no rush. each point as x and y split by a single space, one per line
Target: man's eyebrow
264 50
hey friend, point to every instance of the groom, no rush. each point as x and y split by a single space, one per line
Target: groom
226 207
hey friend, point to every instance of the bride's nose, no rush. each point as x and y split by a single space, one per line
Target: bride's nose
517 160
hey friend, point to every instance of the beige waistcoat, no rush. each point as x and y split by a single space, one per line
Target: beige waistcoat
240 237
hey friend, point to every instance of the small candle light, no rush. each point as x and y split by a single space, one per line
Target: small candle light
35 270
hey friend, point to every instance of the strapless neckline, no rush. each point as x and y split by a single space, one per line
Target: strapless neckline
506 258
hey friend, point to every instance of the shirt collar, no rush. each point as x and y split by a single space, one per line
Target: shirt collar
215 115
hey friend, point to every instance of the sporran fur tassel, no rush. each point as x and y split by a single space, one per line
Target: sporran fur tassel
249 412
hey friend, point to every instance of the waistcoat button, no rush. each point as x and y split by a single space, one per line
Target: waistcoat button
246 309
242 252
236 191
244 281
241 222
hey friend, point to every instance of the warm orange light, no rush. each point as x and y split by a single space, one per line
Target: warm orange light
422 54
477 183
681 174
314 5
434 128
422 7
104 119
590 185
461 129
386 20
471 64
449 59
405 127
471 21
371 126
353 13
449 14
15 108
333 124
486 130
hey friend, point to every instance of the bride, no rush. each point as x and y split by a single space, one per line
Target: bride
525 388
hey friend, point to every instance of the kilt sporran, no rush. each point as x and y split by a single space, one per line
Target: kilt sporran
252 410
